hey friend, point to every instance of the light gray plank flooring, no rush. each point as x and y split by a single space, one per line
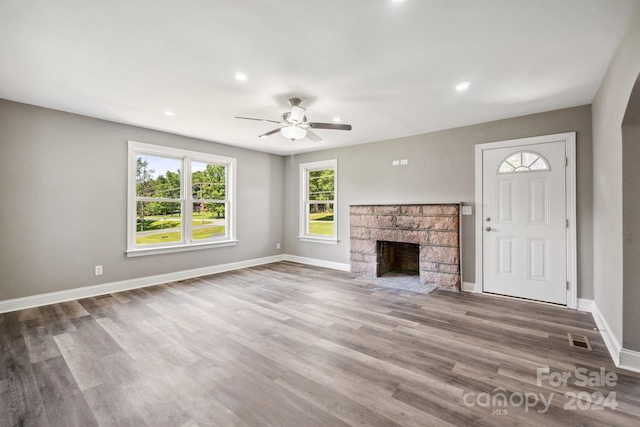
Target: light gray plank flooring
291 345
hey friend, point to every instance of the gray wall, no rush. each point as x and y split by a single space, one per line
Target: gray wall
66 209
631 237
609 108
441 169
64 195
630 223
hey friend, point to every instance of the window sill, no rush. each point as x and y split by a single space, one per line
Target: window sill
327 241
178 248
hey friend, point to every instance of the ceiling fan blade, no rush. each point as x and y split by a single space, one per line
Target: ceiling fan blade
258 120
335 126
264 135
313 136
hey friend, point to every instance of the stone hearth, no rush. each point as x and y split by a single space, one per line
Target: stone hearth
434 228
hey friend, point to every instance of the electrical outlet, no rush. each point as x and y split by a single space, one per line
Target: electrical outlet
395 162
467 210
404 162
98 270
277 245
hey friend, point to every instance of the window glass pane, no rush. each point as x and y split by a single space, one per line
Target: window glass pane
158 222
208 181
529 158
209 220
321 219
505 167
539 165
524 161
515 160
157 176
321 185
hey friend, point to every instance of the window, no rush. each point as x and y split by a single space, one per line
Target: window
318 208
523 161
178 200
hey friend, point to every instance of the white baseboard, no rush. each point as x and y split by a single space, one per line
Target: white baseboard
629 360
585 305
622 357
468 287
610 340
124 285
318 262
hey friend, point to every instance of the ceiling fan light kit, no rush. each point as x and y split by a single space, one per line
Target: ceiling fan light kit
293 132
295 125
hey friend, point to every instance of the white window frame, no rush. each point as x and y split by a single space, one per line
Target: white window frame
522 168
305 168
186 200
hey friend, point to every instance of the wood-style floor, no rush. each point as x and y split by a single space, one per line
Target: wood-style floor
291 345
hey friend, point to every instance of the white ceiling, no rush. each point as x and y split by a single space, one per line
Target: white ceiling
387 68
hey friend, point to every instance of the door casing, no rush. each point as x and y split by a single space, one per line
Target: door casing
569 139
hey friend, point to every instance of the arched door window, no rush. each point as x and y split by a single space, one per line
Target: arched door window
523 161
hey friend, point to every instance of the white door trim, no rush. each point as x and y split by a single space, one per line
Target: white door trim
569 139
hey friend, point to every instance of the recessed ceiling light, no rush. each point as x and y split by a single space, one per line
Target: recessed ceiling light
169 113
461 87
241 76
336 119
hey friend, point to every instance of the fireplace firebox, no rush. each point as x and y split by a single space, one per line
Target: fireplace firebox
396 257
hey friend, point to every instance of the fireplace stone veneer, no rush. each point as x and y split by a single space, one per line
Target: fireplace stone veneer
434 227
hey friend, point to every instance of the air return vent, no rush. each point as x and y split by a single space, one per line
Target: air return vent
579 341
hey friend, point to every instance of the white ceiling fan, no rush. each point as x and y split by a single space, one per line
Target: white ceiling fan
294 124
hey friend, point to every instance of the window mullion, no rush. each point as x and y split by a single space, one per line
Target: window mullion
228 208
227 220
187 201
156 199
307 208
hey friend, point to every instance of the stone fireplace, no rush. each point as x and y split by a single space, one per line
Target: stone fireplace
420 238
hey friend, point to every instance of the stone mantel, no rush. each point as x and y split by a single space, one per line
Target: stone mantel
434 227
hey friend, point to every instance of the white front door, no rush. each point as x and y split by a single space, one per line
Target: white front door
524 234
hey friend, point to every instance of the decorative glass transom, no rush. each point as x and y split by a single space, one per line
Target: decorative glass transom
524 161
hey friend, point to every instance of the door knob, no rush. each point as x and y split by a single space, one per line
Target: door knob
487 229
